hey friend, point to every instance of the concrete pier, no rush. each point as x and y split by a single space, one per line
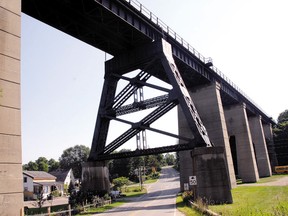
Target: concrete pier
238 126
95 177
213 184
259 141
267 128
208 102
11 179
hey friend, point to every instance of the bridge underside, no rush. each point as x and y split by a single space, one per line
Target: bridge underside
153 60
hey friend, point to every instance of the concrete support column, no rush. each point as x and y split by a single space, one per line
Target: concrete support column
258 139
213 184
11 177
207 100
95 177
237 124
267 128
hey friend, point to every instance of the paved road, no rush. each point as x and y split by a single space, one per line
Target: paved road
159 200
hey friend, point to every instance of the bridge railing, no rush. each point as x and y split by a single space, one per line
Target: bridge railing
143 10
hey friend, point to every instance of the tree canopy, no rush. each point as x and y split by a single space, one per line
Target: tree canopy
42 164
281 138
73 157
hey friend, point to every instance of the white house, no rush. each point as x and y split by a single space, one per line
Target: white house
36 182
64 177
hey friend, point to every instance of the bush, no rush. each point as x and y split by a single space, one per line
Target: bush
82 197
56 193
187 195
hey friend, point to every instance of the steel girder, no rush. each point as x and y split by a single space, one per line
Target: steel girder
153 59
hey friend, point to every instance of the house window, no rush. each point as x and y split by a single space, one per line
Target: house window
37 189
25 180
25 188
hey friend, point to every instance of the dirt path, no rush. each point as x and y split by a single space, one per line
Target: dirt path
279 182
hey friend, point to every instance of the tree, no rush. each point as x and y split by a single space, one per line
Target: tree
42 163
153 161
170 159
31 166
121 167
281 138
283 117
53 164
120 182
73 157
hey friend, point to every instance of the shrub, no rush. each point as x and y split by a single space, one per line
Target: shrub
187 195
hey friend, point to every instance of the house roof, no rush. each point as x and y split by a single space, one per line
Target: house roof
60 175
39 175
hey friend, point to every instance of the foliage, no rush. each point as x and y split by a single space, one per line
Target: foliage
53 165
40 200
71 187
283 117
170 159
154 161
281 138
56 193
121 167
187 195
31 166
177 163
131 192
182 207
256 200
120 182
84 196
153 175
73 157
41 164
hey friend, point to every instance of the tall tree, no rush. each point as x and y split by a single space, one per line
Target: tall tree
53 164
170 159
121 167
73 157
42 163
283 117
31 166
281 138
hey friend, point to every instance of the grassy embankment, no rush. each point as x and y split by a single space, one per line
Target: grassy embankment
252 200
256 200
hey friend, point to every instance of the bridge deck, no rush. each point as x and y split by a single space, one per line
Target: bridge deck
117 26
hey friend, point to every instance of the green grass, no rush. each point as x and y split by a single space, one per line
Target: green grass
256 200
101 209
150 181
134 191
181 206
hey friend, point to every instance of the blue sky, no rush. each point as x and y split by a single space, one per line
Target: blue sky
62 77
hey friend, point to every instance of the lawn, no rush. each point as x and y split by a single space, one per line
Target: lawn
256 200
182 207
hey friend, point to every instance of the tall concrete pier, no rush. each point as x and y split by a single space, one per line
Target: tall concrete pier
11 188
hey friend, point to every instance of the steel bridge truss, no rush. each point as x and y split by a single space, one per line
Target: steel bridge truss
152 60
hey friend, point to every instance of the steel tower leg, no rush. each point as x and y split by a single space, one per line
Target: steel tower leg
153 60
